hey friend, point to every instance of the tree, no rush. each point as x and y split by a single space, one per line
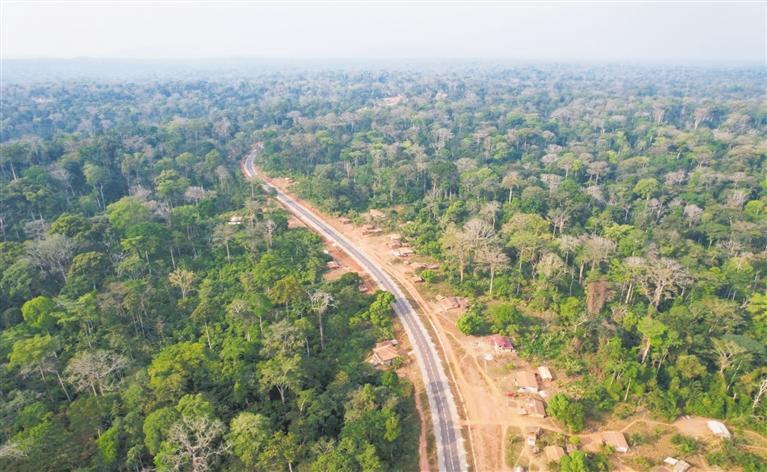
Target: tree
183 279
493 257
127 212
320 302
470 324
576 461
727 351
222 234
52 254
281 450
380 313
156 426
248 437
268 228
95 370
285 291
569 412
87 271
193 443
282 372
176 368
661 277
37 353
39 314
457 248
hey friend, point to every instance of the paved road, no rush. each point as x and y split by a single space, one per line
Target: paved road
450 451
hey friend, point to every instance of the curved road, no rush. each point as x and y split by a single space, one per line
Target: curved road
450 451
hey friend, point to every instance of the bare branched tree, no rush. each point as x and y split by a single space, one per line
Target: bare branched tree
95 370
183 279
196 441
52 254
320 302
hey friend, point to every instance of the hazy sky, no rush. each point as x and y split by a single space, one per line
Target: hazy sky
633 32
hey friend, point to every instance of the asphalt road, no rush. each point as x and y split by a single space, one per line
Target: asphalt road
450 451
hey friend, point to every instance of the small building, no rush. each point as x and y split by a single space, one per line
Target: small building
416 279
344 220
526 381
235 220
403 252
535 408
677 465
432 266
616 440
333 265
531 436
384 353
545 374
376 214
395 237
553 453
452 303
499 343
394 244
719 429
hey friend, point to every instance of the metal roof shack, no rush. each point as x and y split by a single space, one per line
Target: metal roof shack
499 343
403 252
452 303
531 436
384 353
376 214
545 374
677 465
719 429
616 440
535 408
526 381
553 453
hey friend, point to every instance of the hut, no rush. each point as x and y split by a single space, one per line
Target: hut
526 381
616 440
718 429
545 374
553 453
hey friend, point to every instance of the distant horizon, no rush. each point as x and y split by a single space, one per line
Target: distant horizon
395 60
566 32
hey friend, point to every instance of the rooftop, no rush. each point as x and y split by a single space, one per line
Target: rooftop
616 440
525 378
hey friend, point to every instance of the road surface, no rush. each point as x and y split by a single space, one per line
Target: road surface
450 452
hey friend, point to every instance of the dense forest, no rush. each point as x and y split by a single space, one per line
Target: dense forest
609 220
157 311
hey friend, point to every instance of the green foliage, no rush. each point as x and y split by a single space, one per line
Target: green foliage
685 445
471 324
156 426
248 436
570 412
621 245
176 368
39 313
